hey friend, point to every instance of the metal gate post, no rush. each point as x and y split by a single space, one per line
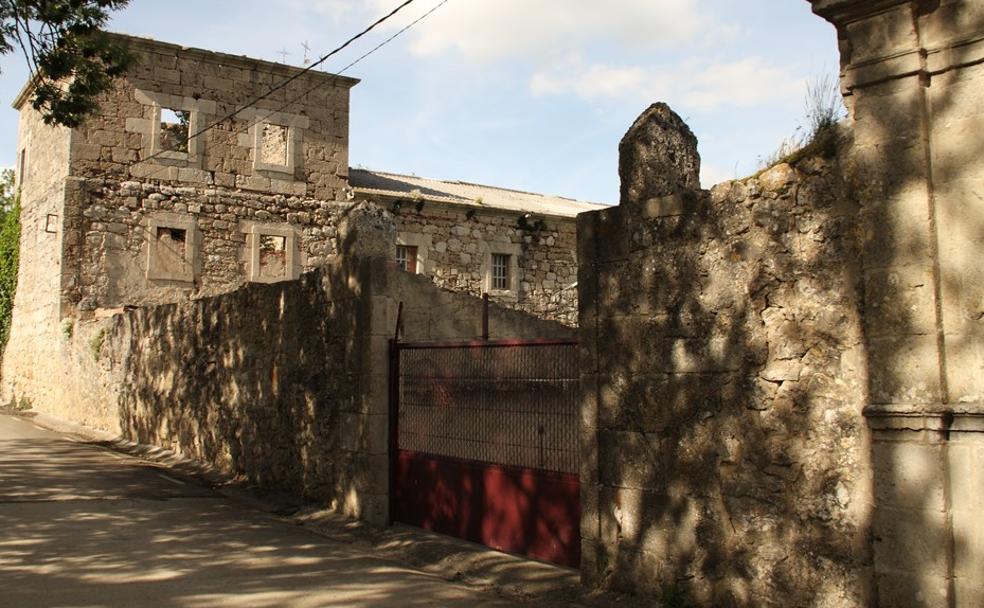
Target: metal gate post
394 413
394 418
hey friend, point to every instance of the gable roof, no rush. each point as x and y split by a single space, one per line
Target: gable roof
365 182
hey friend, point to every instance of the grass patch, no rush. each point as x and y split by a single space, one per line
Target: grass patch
824 108
96 344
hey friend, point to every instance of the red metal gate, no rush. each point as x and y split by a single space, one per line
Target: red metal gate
485 439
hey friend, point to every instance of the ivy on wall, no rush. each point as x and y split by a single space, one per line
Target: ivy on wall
9 250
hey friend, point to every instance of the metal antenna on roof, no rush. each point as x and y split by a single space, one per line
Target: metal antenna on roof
283 54
307 49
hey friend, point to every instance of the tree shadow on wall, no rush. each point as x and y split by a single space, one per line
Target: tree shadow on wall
924 320
734 459
730 390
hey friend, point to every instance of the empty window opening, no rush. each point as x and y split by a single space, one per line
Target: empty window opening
21 167
273 256
273 145
174 130
500 271
406 258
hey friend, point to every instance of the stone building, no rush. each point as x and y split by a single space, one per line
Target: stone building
516 246
159 197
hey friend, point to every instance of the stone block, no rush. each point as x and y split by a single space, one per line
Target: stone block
899 301
965 368
908 474
908 589
590 521
909 541
904 369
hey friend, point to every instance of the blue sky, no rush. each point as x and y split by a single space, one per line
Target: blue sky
527 94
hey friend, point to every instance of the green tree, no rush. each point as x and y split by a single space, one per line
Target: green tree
7 192
71 58
9 250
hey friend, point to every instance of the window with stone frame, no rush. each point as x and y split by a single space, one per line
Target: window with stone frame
172 248
271 252
501 267
406 258
167 126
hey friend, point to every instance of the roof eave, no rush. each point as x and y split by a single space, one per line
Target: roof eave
449 202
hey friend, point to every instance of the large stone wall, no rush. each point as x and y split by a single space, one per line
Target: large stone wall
913 75
285 385
724 453
782 377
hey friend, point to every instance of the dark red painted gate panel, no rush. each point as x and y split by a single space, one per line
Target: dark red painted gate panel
485 444
534 513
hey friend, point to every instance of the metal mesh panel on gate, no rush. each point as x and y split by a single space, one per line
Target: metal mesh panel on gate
512 405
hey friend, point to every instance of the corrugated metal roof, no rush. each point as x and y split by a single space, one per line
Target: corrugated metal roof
366 182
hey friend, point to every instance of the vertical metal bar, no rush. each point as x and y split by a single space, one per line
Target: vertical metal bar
485 316
394 421
399 322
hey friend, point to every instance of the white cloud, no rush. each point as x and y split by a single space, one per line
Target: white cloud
711 175
694 85
536 29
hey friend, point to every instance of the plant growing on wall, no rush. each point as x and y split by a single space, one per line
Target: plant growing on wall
528 223
9 250
72 61
824 108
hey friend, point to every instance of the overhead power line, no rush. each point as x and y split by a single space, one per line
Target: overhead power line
304 71
318 85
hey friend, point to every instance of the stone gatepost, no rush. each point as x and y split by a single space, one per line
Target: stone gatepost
913 76
366 235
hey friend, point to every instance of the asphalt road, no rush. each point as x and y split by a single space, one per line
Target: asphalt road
82 526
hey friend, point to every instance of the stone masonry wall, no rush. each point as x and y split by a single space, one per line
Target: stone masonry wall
459 245
111 220
724 455
284 385
119 141
36 304
913 75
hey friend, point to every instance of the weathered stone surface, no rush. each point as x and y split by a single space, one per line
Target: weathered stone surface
728 393
366 230
658 157
282 384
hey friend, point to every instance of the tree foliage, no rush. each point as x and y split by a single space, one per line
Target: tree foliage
72 60
9 251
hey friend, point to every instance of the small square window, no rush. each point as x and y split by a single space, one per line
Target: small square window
174 130
406 258
273 145
500 271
